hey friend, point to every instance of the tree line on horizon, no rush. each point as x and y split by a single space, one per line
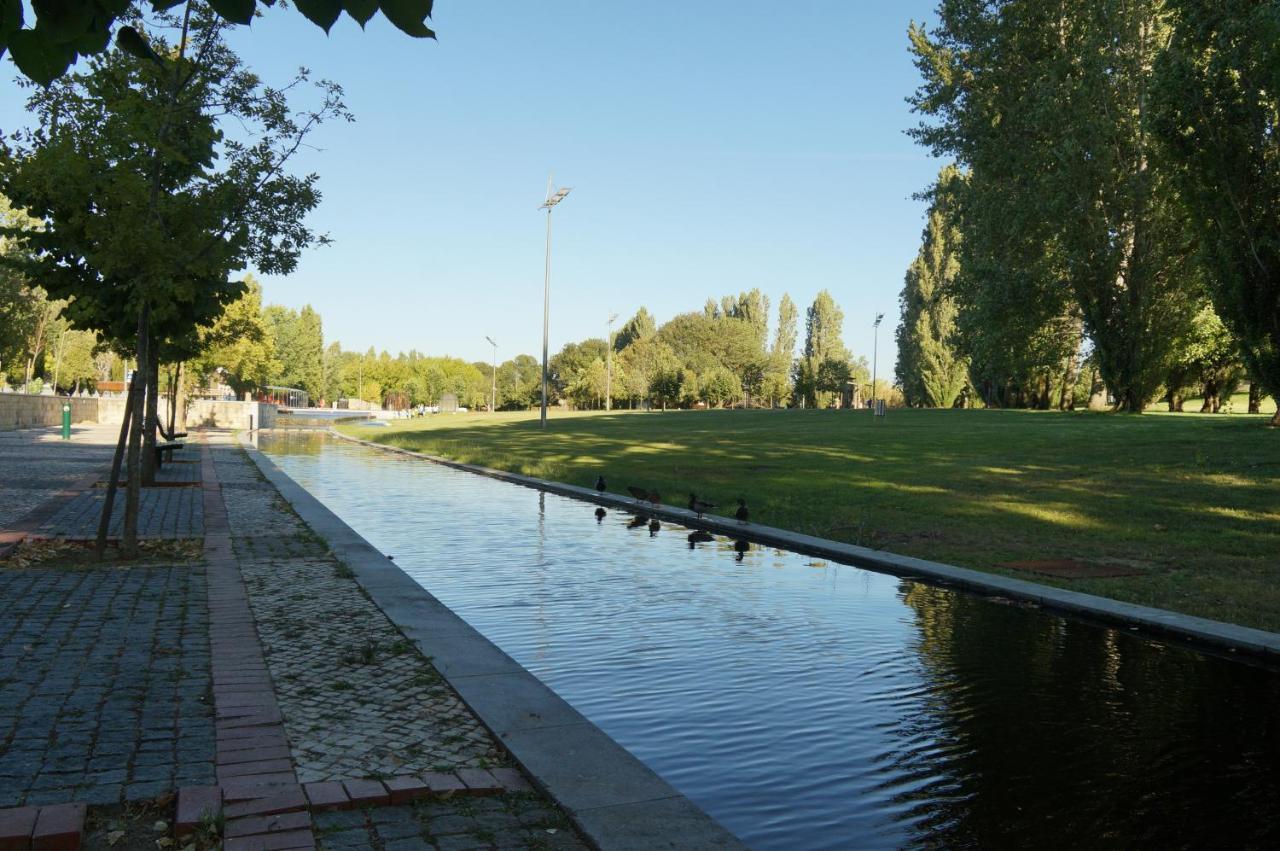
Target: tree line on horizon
719 356
1110 225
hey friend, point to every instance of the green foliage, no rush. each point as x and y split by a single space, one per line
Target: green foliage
298 343
1217 104
719 387
1044 105
239 345
64 30
637 328
929 369
824 324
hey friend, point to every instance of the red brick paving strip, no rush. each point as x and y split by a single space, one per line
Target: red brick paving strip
264 802
58 828
16 826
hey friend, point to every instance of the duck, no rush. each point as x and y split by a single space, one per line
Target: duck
699 506
640 494
741 548
636 522
654 497
600 515
700 536
600 485
654 526
742 513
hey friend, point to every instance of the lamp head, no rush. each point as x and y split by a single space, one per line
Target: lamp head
556 198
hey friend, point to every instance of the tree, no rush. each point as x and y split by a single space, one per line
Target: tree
66 30
832 377
240 346
719 387
298 338
1217 102
931 372
177 206
776 381
824 327
639 327
1046 106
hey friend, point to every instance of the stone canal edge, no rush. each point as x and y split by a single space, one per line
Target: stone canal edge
614 799
1200 633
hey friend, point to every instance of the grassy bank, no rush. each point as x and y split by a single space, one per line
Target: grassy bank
1191 500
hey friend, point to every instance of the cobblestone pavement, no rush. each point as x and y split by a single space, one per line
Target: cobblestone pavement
104 683
509 821
165 512
35 463
358 700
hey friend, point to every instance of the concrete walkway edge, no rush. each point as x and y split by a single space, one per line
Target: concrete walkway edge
1157 622
613 798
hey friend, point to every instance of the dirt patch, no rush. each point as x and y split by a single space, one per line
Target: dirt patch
54 552
1066 568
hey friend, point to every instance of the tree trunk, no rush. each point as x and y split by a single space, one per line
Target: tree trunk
133 491
113 483
1255 397
152 418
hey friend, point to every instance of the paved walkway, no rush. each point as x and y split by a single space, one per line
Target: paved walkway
36 463
260 675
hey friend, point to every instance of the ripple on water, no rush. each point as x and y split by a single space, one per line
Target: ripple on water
825 706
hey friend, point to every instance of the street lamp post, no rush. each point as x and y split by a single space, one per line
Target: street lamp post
608 366
875 356
551 201
493 390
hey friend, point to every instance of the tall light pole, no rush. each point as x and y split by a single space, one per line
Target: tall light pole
551 201
493 391
875 357
608 366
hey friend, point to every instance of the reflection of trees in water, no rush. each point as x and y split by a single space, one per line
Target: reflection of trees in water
1040 731
295 442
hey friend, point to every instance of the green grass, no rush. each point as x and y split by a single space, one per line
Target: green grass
1192 499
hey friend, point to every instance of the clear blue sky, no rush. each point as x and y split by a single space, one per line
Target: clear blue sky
711 146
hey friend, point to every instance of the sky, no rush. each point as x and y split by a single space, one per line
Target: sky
711 147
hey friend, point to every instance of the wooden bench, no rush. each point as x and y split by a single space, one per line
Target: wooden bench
162 448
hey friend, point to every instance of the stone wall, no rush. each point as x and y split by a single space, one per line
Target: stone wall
213 413
19 410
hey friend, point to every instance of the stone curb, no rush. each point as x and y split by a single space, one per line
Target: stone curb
615 800
1200 632
53 827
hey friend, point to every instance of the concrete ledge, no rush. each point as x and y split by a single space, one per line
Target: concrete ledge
1201 632
617 801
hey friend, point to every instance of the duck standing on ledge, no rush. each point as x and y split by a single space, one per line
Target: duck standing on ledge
600 485
699 506
742 513
640 494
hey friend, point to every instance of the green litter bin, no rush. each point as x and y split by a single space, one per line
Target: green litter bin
66 420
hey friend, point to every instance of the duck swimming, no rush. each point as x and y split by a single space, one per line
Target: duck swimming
600 515
699 536
654 526
636 522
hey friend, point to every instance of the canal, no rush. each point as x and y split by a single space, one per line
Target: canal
808 704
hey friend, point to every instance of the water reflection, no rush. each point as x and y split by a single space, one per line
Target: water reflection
809 704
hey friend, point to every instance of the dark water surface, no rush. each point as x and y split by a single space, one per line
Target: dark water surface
808 704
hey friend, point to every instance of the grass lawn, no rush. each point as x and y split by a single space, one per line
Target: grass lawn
1193 500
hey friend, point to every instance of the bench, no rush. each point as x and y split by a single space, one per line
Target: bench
162 448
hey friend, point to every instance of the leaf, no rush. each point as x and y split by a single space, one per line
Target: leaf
63 20
38 57
408 16
322 13
161 5
115 836
235 11
361 10
91 41
131 42
10 17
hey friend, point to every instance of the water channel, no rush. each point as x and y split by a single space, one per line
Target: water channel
807 704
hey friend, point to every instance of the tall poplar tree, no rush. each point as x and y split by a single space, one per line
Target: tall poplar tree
777 378
1047 105
929 369
1218 102
823 340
